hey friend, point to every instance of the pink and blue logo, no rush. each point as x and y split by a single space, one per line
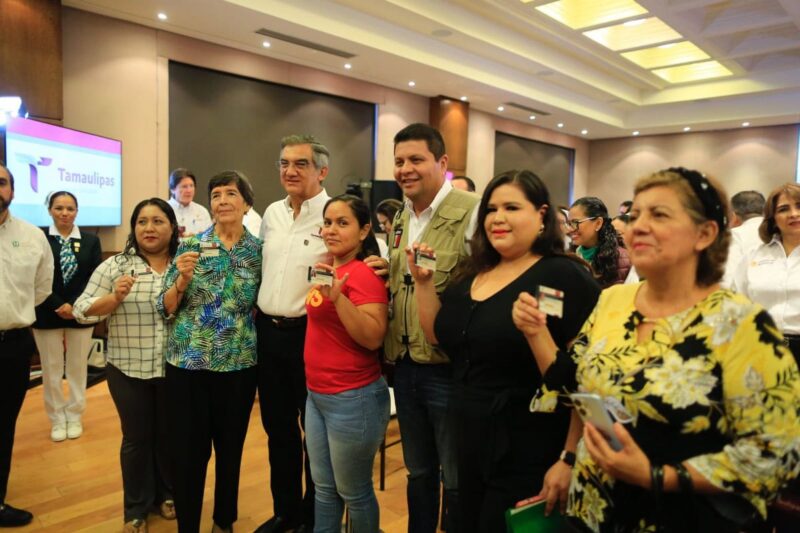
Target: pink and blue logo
33 164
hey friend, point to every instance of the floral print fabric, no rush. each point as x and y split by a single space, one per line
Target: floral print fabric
713 386
213 328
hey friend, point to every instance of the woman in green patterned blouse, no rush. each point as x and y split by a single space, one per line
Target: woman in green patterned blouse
699 375
210 292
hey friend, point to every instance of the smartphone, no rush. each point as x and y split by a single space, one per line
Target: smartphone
590 408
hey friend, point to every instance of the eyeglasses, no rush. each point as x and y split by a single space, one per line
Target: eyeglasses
576 224
300 165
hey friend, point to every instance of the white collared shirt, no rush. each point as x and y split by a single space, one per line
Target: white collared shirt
26 272
744 239
252 221
771 279
74 234
290 247
193 217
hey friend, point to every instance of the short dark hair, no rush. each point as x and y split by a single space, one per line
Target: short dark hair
177 175
468 181
320 153
10 175
232 176
422 132
53 195
389 207
627 204
748 204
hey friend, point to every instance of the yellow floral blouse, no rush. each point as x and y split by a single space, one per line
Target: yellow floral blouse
714 386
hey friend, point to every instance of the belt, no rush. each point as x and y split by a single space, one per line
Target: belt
284 322
11 334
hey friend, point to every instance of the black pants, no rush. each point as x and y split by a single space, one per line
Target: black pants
282 397
207 408
16 348
144 454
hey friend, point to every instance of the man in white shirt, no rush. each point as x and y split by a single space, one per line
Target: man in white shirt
748 211
192 217
26 280
292 242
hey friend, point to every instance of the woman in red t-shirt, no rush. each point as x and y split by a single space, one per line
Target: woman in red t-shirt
348 401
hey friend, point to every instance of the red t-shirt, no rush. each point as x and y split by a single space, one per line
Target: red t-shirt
334 361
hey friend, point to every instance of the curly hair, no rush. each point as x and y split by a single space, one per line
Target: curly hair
606 259
711 261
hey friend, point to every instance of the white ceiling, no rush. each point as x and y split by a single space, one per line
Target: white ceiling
500 51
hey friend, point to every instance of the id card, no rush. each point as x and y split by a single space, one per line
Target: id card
320 276
209 249
425 260
551 301
143 271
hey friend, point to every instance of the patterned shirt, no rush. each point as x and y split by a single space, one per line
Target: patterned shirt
713 386
213 327
135 329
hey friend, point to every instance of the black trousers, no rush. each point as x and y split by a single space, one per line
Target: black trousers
207 408
144 454
16 348
282 398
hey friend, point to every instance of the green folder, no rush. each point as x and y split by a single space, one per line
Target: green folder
531 519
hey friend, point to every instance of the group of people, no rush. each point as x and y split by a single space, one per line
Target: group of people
490 322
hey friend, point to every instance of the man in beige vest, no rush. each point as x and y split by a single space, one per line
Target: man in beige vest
443 217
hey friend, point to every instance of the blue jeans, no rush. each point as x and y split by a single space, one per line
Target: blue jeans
422 394
343 434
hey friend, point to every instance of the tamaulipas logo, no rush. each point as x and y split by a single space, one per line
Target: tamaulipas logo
33 164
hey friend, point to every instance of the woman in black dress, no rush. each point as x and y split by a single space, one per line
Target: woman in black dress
505 450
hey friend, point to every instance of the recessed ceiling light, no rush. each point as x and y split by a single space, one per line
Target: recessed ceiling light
687 128
745 124
560 124
266 44
411 84
500 108
584 132
348 66
635 133
584 13
532 117
463 98
162 16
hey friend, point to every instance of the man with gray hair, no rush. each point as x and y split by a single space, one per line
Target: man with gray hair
26 280
292 242
748 213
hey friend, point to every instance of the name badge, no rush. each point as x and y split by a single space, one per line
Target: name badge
320 276
141 271
209 249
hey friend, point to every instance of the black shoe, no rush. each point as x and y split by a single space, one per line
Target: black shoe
277 524
13 517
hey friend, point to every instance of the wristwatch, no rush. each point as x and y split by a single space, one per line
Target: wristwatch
568 457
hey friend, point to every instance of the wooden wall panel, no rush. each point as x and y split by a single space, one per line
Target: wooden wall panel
451 118
30 56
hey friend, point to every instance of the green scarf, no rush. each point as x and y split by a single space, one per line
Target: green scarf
587 253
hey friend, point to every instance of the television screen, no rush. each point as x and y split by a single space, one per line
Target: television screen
46 158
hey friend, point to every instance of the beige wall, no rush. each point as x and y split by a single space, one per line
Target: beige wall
480 147
116 85
745 158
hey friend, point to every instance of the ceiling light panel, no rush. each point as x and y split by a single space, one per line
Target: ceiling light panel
634 34
693 72
666 55
579 14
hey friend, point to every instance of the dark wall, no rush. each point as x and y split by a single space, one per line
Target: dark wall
554 164
221 121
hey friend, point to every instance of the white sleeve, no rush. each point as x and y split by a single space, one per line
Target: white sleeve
43 283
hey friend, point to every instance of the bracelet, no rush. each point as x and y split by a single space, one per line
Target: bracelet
657 484
684 479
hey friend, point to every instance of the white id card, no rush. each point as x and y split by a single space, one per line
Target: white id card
425 260
143 271
209 249
551 301
320 276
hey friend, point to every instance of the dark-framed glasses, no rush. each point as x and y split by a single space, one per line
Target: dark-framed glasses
576 224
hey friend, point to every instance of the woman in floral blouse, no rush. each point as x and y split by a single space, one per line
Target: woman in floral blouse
709 394
208 297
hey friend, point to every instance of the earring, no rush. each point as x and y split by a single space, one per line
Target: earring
541 229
